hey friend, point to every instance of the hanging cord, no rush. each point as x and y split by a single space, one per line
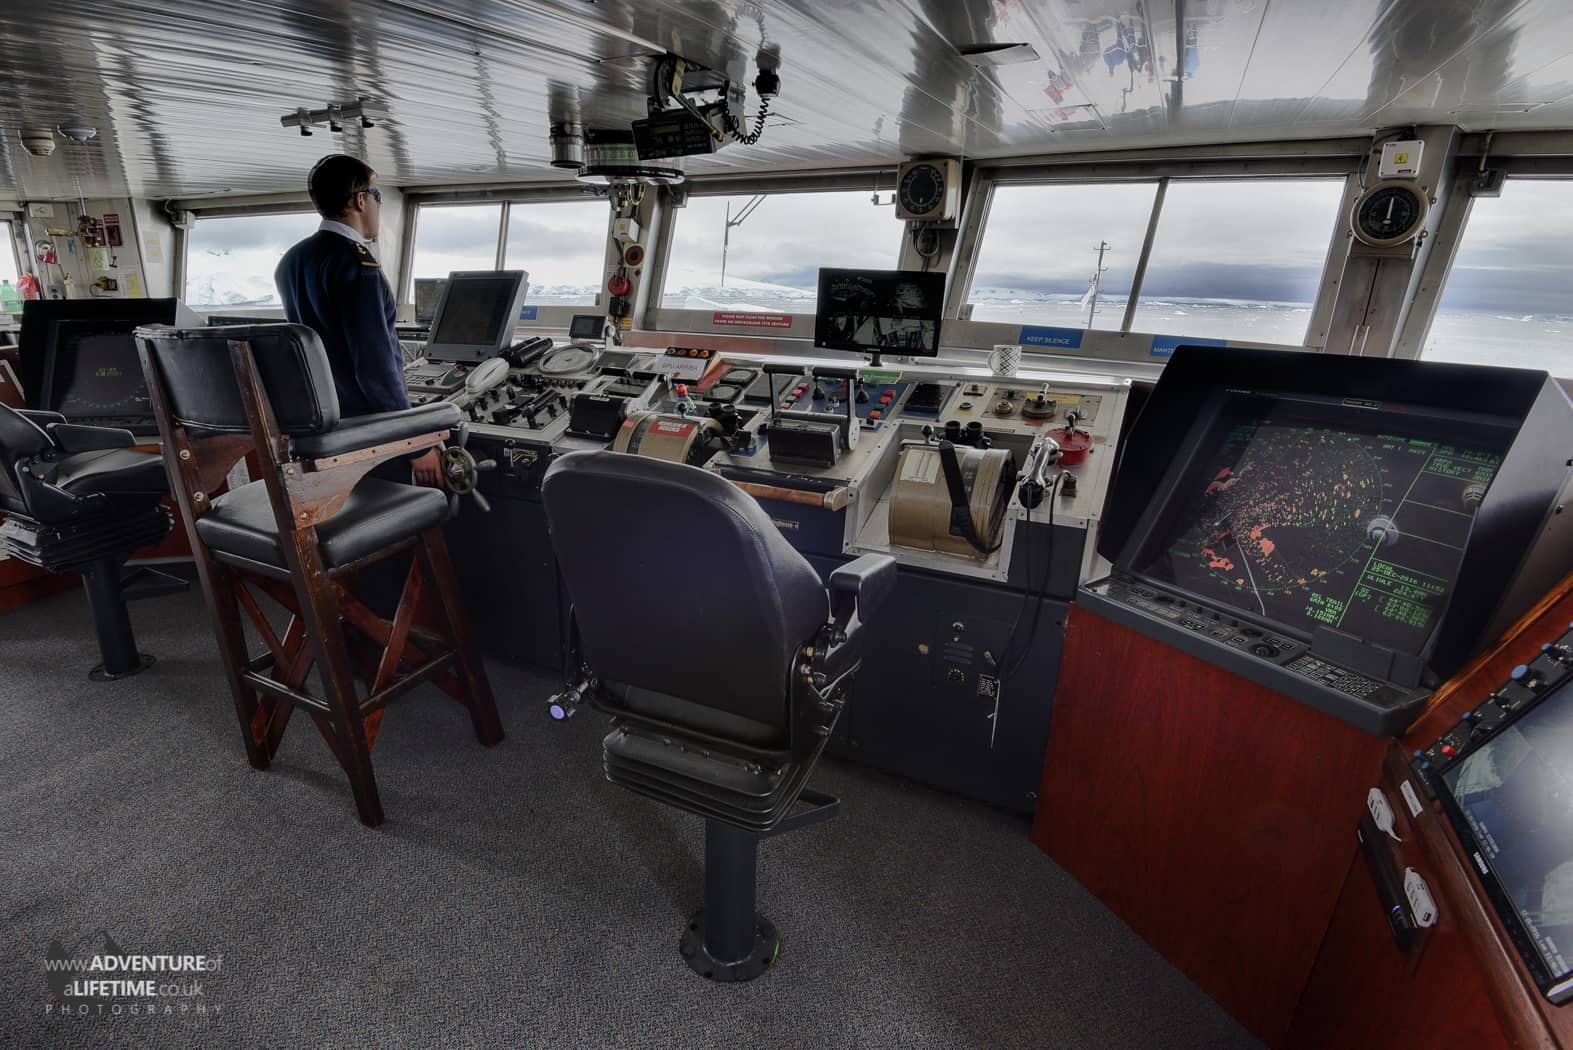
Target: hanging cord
759 123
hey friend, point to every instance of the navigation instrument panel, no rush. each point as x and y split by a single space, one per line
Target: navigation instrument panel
1510 797
1306 519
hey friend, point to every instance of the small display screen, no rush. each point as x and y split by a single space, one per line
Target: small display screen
476 312
95 371
884 311
585 326
1515 794
1308 514
428 293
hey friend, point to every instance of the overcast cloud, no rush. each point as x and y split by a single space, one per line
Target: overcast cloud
785 240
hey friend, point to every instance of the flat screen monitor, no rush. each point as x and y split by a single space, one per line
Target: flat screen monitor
1307 512
476 315
1511 801
94 373
586 327
880 311
428 291
39 317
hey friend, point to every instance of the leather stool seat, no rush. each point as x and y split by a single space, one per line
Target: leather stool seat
377 515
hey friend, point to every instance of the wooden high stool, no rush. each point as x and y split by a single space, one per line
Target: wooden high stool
299 534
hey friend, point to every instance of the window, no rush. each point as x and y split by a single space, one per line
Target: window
1040 248
230 259
1506 299
1239 259
562 246
452 237
9 270
763 252
1231 259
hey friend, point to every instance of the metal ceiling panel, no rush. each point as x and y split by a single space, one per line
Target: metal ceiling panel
187 95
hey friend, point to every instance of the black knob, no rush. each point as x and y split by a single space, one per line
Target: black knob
819 392
974 432
862 395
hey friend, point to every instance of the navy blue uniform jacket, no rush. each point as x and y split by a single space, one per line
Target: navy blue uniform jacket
335 287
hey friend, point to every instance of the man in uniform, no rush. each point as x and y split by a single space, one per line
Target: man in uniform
333 284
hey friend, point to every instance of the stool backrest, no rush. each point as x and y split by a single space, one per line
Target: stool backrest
199 376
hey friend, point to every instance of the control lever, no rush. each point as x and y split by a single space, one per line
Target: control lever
461 473
565 704
1034 487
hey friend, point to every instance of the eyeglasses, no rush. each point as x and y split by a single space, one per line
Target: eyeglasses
375 192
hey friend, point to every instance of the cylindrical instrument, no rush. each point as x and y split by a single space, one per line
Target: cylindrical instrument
676 439
920 500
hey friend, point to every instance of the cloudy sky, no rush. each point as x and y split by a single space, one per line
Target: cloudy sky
557 243
785 241
1263 239
1517 253
232 259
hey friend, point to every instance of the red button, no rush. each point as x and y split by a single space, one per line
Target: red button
1449 749
786 404
874 414
887 397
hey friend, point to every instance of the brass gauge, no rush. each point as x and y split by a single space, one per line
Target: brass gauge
1390 213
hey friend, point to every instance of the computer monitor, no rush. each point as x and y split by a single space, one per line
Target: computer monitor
428 293
1311 512
1510 798
1389 516
63 340
476 315
586 327
94 375
880 311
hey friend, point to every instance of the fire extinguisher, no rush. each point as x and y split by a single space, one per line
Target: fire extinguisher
27 284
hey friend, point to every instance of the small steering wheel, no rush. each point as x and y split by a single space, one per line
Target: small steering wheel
461 472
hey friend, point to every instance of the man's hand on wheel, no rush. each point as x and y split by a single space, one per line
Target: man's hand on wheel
428 468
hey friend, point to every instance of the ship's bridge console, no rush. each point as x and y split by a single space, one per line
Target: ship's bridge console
986 489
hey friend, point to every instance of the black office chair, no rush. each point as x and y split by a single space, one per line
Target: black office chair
80 499
721 657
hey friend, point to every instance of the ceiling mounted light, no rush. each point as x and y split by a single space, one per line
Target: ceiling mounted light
78 133
365 110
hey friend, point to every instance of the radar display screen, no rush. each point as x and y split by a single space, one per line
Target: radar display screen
1512 801
1309 514
95 373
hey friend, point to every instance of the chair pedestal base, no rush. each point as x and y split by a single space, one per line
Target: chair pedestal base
727 940
762 956
99 674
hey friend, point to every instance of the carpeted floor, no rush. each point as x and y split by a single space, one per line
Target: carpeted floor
514 898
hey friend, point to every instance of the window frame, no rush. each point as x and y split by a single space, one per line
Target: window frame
1452 227
16 226
658 318
1337 159
283 204
550 317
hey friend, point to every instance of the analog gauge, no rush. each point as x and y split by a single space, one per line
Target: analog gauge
922 189
1390 213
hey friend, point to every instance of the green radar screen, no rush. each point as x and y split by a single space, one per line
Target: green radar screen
1306 525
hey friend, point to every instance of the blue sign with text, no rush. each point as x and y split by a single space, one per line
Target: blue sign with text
527 313
1039 335
1163 345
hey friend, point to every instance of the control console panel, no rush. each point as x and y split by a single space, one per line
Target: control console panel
1274 658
